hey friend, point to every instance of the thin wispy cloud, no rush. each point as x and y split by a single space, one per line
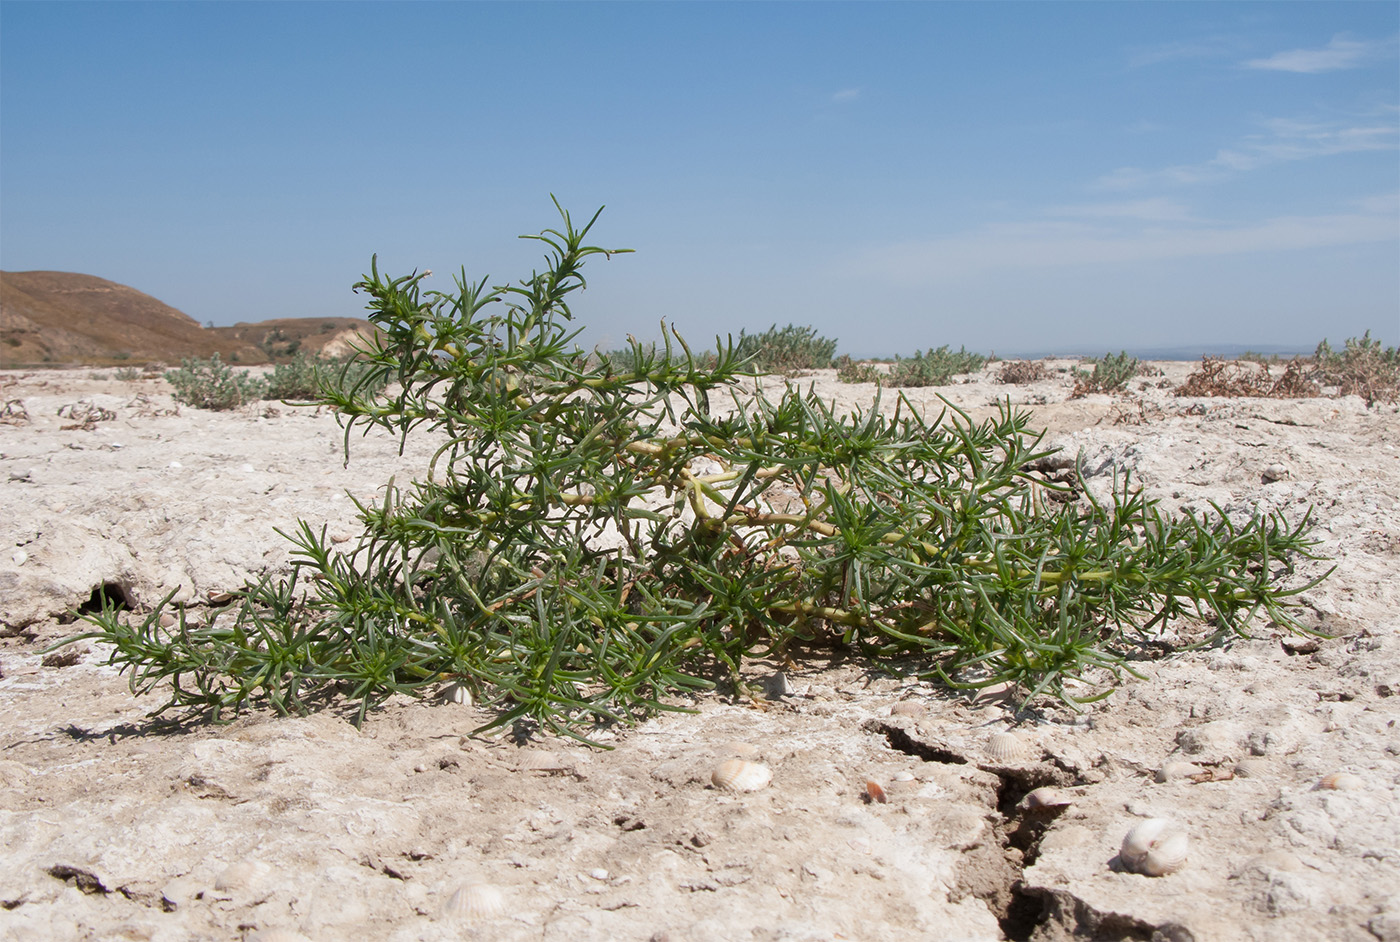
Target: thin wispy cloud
1340 53
1282 139
1205 48
1157 209
1057 244
845 95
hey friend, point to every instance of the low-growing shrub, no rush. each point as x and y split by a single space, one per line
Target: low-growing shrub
1111 373
1018 372
1219 377
934 368
212 384
852 371
306 377
586 546
1362 368
128 374
787 349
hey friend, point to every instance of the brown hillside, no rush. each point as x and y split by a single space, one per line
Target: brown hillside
282 338
50 318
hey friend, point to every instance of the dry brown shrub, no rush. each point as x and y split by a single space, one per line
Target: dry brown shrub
1295 383
1220 377
13 412
85 416
1017 372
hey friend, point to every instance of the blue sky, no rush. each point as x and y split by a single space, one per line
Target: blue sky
1066 177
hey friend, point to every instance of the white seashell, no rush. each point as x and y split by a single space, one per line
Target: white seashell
1251 768
908 708
1154 848
741 775
1175 771
176 464
1279 860
277 935
1341 781
905 776
475 902
1007 748
241 875
542 760
456 692
1045 798
598 873
20 557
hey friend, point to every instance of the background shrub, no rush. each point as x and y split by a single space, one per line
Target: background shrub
934 368
212 384
1022 371
1219 377
306 377
1110 374
783 350
1363 368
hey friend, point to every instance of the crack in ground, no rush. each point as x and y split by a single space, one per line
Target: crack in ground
993 871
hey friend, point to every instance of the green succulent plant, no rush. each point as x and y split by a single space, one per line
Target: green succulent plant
594 541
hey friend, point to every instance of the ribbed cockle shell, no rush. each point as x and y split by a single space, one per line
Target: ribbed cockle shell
1154 848
741 775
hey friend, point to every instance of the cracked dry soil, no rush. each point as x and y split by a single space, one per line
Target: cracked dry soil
116 827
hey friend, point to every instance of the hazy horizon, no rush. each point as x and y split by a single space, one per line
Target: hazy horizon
1013 177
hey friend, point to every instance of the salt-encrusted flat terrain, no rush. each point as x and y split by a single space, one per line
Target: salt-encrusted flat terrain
115 827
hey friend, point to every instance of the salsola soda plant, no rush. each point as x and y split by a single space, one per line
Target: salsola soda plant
1110 374
589 544
213 384
787 349
934 368
855 371
1363 368
305 377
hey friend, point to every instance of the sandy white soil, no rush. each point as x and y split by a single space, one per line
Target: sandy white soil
115 827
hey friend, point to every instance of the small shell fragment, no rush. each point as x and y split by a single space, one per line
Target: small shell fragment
1154 848
1175 771
873 792
741 775
1251 768
241 875
1045 799
908 708
475 902
1341 781
542 760
1007 748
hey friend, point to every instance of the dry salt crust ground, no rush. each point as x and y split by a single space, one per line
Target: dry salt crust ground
112 827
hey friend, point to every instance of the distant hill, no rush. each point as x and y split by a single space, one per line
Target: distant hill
52 318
